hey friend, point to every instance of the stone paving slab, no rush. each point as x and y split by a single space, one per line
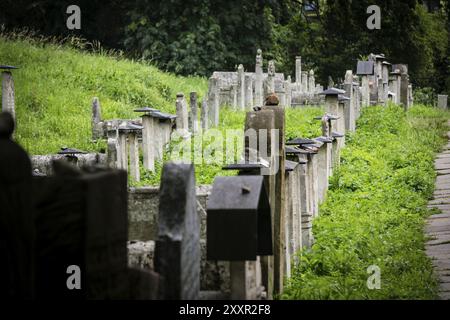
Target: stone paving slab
437 228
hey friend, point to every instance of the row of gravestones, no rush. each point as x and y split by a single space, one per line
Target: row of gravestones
243 90
258 221
78 219
63 218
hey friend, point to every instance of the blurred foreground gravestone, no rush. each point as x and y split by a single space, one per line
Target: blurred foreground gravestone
64 236
16 216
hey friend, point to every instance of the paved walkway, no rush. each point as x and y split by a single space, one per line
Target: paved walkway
438 226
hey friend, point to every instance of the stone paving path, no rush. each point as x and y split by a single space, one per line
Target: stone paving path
438 225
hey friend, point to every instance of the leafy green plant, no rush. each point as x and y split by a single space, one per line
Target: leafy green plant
374 211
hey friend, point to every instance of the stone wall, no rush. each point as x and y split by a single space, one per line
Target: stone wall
143 206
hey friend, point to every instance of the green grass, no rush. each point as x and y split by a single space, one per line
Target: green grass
56 83
374 212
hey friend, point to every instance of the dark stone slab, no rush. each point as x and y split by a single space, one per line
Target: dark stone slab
365 68
238 221
81 219
177 250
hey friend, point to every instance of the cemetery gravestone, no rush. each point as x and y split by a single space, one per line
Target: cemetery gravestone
177 251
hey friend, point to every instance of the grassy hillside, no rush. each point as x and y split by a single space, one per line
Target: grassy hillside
56 83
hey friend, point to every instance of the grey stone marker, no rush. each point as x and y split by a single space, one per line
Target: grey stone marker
129 146
404 90
8 95
205 115
442 101
259 99
292 213
311 82
177 250
280 198
213 101
193 124
112 153
248 91
365 69
298 71
148 142
305 82
349 104
97 124
182 121
269 84
241 89
385 76
305 188
258 121
288 90
396 85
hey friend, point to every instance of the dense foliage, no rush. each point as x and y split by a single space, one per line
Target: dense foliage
374 211
197 37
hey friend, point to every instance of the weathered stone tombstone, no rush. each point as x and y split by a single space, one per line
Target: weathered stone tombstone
97 124
129 147
16 216
148 134
305 83
263 121
259 99
442 101
365 69
293 213
269 82
385 78
288 91
213 101
311 82
279 204
241 88
177 251
81 220
182 122
193 116
112 153
298 72
239 231
205 115
248 91
8 95
309 186
349 104
396 85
